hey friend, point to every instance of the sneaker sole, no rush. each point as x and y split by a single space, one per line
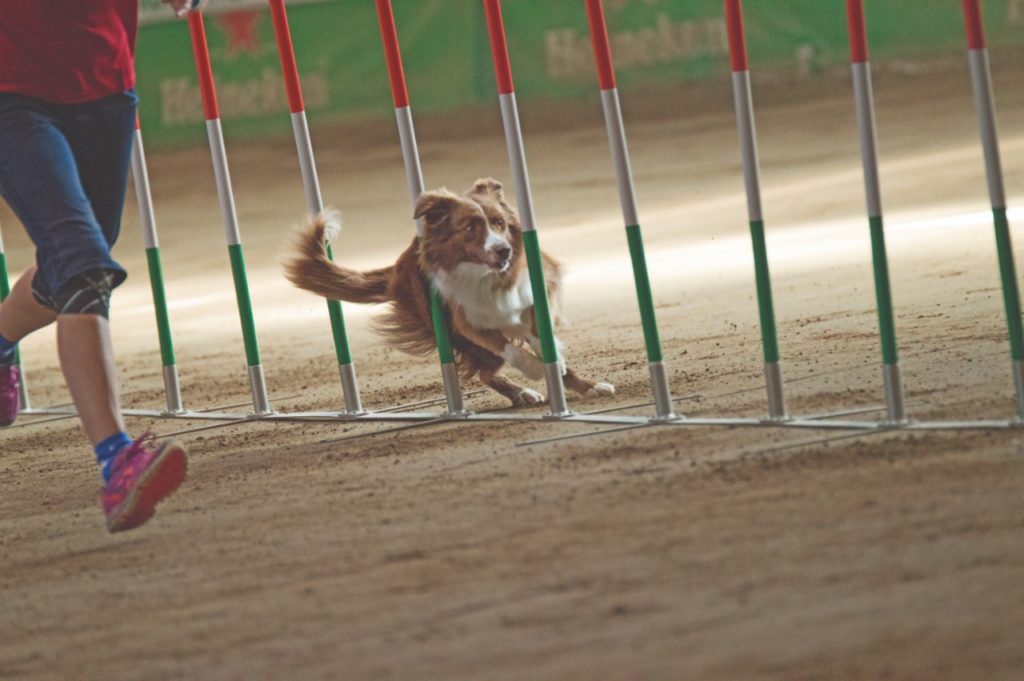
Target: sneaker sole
163 476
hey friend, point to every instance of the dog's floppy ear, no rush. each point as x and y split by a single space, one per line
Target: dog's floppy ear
488 185
435 206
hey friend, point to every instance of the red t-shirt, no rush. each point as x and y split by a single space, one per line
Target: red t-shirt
67 51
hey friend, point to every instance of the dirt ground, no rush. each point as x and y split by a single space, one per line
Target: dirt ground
448 552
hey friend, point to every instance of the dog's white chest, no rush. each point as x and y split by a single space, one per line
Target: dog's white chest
471 287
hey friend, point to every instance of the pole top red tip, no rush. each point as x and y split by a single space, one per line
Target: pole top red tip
858 31
602 50
974 25
737 35
499 46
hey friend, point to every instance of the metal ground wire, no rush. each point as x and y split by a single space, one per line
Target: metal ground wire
399 415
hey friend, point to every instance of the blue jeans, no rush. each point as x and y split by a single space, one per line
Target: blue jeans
64 172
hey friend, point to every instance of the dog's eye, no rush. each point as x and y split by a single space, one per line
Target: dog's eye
498 222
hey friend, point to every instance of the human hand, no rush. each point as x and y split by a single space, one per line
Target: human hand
183 7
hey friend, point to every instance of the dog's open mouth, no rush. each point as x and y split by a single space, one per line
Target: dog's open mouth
501 265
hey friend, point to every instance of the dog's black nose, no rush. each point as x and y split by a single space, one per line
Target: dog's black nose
503 252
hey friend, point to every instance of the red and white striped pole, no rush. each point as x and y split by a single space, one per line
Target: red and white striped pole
752 180
225 194
663 404
864 100
984 101
414 178
314 200
517 159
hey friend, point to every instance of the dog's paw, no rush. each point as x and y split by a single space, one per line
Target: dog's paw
601 390
528 398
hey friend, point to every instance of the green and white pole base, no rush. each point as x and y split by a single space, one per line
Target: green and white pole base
762 276
981 81
414 179
315 204
663 403
895 401
257 382
5 290
225 195
664 407
314 200
553 366
147 222
743 100
545 327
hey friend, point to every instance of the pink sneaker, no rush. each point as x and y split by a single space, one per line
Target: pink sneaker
143 473
10 377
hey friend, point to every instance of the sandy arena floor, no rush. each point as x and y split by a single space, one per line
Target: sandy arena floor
447 552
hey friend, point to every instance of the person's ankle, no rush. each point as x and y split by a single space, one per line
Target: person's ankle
107 450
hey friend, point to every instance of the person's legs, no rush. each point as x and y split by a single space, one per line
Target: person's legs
99 135
87 360
40 181
56 164
137 474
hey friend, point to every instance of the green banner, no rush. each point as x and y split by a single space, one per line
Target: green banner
447 54
664 41
340 60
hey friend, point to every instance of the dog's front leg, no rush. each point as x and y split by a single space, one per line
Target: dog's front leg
500 345
492 350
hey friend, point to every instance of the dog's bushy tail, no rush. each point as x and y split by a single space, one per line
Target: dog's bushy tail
310 269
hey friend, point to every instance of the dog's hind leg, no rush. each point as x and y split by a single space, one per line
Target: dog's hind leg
586 387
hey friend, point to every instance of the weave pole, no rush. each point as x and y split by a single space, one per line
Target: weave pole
147 222
257 383
5 290
627 198
414 178
314 200
517 160
751 175
864 100
981 81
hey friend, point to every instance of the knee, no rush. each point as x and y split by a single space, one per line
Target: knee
87 293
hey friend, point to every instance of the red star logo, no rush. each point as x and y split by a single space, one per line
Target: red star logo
240 29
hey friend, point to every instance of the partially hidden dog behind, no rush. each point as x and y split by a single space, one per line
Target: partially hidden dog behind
472 252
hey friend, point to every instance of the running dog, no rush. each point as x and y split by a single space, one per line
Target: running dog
472 253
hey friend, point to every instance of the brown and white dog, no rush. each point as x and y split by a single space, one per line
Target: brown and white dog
472 252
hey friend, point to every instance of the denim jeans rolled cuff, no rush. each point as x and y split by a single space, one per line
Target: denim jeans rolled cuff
64 172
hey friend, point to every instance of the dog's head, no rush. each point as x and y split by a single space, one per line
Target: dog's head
478 227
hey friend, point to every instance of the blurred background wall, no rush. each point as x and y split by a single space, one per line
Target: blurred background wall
656 43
